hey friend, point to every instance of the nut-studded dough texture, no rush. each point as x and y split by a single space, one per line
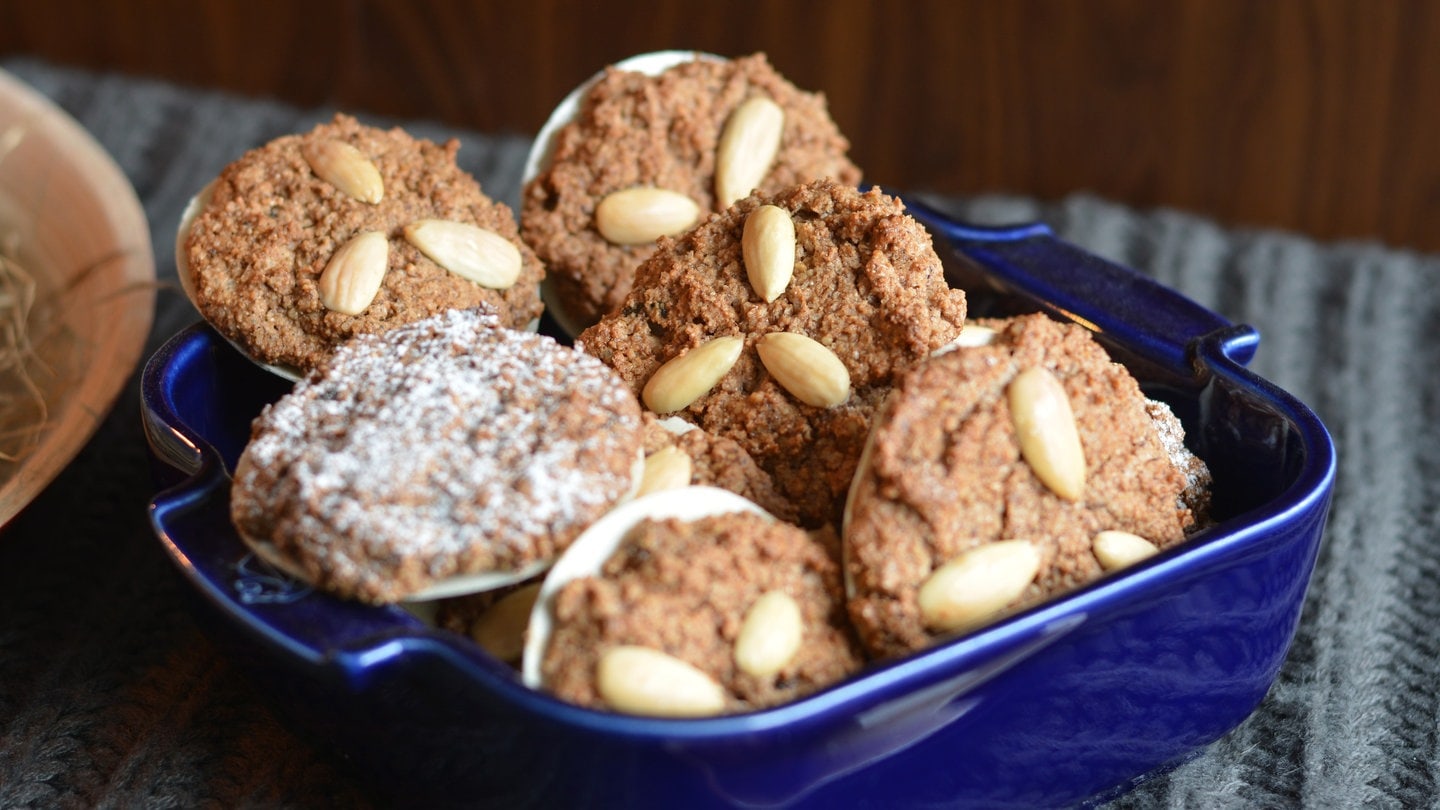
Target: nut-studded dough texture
257 249
683 588
443 447
634 130
718 461
867 284
945 474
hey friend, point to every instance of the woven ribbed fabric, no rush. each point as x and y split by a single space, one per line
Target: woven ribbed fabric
111 696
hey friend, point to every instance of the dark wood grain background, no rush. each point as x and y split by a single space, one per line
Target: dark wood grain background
1319 116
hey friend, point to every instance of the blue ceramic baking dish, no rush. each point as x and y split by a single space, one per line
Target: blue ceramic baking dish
1067 703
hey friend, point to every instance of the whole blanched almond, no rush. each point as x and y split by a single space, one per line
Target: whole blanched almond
500 630
976 585
768 246
1116 549
1045 427
469 251
640 215
974 335
345 167
353 276
689 376
640 680
805 367
770 635
666 468
971 337
747 148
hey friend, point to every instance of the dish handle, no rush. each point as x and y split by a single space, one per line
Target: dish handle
1028 259
191 514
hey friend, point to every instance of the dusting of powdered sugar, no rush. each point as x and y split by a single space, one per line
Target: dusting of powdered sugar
444 447
1196 494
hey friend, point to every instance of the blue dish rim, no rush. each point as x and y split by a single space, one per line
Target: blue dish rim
1158 325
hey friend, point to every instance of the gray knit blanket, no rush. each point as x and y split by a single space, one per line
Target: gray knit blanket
111 695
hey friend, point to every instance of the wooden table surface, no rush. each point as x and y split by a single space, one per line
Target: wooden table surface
1319 116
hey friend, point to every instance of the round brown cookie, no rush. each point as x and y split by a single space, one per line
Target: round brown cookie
440 449
269 225
661 131
867 284
685 588
944 474
719 462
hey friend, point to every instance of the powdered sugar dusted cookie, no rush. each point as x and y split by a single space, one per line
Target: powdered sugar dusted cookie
1001 474
415 462
311 239
782 324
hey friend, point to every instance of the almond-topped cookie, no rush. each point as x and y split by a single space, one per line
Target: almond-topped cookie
793 379
347 229
650 155
678 454
436 458
999 474
690 617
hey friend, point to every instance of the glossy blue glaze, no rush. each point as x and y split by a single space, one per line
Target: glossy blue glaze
1063 704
